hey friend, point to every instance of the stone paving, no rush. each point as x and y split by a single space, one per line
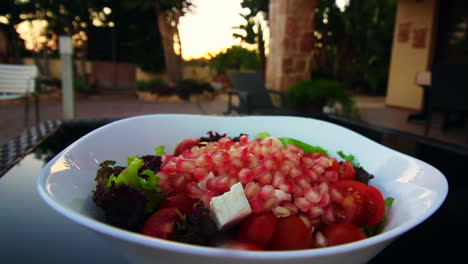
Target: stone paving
373 110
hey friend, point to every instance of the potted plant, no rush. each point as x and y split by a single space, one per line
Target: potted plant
313 96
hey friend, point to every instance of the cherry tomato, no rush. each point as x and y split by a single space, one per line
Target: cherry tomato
338 234
185 145
290 234
162 223
347 171
350 207
257 229
179 201
374 208
241 246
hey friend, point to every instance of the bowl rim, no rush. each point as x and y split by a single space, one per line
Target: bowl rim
178 247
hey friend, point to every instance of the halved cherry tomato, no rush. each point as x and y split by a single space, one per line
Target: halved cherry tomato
179 201
162 223
350 207
374 208
257 229
347 171
185 145
338 234
362 205
291 233
241 246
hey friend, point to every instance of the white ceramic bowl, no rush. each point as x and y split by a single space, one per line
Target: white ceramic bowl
66 183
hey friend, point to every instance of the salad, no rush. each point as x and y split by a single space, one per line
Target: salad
265 193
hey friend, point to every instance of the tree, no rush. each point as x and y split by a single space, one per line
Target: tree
168 13
13 11
253 29
354 45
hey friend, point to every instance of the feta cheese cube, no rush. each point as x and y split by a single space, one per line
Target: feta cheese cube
230 208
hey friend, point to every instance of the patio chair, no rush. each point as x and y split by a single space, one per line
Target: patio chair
254 98
19 82
448 92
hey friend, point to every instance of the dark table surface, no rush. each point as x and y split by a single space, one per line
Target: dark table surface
30 231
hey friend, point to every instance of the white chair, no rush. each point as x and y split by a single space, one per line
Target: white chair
19 82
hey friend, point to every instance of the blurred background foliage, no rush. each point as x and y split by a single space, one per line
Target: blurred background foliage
354 45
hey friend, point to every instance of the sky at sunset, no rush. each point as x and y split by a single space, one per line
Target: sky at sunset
209 27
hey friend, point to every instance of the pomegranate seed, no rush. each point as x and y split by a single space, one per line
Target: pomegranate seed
260 170
295 172
307 161
169 168
298 191
320 240
235 153
243 140
282 196
270 203
331 175
312 195
315 211
324 199
203 160
265 178
251 190
193 190
302 182
328 216
291 207
223 184
246 175
178 182
324 162
277 178
237 163
206 198
257 205
202 183
185 165
318 169
311 174
286 167
270 163
166 157
225 142
295 149
286 186
323 187
303 204
280 211
266 192
220 157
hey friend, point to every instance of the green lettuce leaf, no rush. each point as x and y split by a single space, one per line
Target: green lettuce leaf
149 185
350 158
263 135
306 147
159 151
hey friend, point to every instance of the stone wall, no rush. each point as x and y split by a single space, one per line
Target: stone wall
291 42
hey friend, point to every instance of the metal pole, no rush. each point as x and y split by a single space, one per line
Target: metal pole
66 52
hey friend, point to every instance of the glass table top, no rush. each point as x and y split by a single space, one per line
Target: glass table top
31 231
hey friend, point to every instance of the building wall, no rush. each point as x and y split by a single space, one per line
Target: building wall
412 51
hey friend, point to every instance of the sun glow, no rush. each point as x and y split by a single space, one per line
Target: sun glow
208 29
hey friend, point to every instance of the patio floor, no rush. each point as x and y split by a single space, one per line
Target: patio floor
373 110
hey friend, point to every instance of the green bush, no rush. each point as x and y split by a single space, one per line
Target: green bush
183 89
312 95
235 58
187 87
